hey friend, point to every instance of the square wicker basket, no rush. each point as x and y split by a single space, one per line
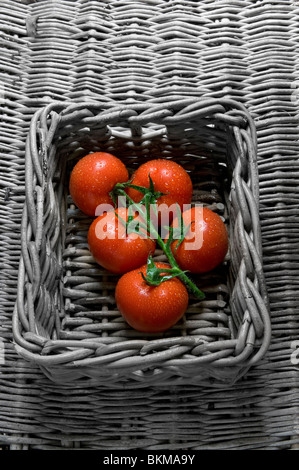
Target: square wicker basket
65 318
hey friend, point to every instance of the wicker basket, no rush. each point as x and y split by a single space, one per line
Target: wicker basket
65 317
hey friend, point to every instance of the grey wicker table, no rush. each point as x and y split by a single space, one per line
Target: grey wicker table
152 52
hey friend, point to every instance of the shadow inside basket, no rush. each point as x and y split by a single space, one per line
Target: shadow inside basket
66 316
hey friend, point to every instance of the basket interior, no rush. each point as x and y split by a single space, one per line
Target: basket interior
87 307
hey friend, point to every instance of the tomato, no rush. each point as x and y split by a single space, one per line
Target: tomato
205 244
150 309
93 177
113 247
169 178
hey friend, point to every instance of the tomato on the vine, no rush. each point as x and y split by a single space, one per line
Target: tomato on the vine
147 308
205 244
93 177
117 247
169 178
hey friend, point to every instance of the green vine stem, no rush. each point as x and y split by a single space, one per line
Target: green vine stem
150 197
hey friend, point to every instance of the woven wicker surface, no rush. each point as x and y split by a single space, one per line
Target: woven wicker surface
154 51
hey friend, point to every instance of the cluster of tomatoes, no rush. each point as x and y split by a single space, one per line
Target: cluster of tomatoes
146 307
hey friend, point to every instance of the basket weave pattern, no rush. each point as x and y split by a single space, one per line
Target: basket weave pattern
121 51
65 317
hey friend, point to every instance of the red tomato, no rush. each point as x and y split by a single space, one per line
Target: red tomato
150 309
206 243
169 178
93 177
113 247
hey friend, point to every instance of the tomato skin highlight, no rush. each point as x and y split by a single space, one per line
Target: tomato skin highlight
113 248
168 177
211 230
150 309
93 177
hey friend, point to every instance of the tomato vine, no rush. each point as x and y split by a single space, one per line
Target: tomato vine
153 274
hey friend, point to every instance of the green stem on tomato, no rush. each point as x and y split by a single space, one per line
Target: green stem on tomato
182 275
164 246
